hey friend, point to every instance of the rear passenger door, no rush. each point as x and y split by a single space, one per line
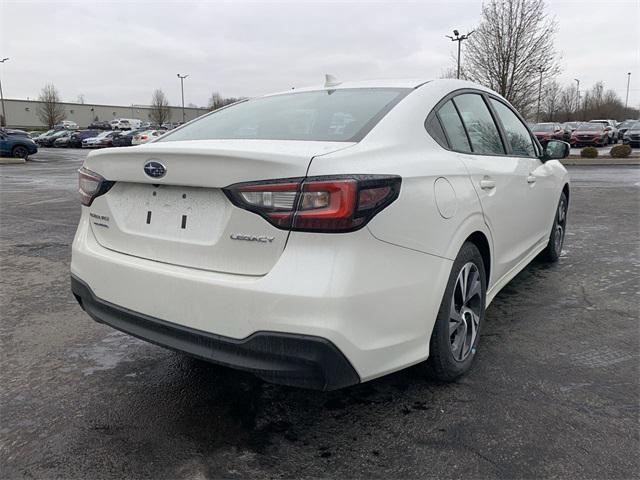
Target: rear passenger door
500 179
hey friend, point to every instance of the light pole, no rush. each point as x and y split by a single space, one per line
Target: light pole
4 115
578 95
539 95
182 77
626 100
458 38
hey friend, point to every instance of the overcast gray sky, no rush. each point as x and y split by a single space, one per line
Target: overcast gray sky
117 52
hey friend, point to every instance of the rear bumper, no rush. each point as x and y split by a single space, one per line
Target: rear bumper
375 302
289 359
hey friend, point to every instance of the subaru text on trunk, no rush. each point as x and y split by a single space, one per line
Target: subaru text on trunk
325 236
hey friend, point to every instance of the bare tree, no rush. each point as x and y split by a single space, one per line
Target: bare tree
50 110
568 100
451 72
593 97
159 107
80 99
511 48
551 101
596 103
601 103
217 101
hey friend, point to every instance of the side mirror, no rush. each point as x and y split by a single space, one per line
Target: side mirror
607 129
555 150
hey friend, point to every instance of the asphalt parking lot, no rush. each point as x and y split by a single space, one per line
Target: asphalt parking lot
554 392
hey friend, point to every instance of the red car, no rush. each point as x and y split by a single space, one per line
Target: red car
548 131
589 134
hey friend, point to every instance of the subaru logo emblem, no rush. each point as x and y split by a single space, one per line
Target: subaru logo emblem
155 169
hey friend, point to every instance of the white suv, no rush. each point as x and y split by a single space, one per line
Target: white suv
275 237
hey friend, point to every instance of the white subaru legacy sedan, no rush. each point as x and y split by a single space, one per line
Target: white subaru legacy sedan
325 236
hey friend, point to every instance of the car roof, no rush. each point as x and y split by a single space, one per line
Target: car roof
377 83
441 85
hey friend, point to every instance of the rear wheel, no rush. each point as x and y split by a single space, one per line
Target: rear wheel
19 152
455 335
556 239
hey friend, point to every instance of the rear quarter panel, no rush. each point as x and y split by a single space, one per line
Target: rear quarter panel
400 145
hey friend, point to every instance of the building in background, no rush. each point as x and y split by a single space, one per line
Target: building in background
23 114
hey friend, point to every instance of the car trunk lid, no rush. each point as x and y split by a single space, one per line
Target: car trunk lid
184 218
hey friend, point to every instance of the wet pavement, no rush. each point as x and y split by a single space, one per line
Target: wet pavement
554 391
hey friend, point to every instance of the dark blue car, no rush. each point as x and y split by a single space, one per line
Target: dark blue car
16 145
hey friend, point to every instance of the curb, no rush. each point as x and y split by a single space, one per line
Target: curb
600 161
11 160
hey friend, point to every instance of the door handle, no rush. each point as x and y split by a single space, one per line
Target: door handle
487 184
531 179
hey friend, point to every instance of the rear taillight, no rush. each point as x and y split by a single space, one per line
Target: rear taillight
327 204
91 185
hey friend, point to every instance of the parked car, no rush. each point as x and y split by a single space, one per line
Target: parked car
17 146
632 135
103 139
67 125
567 129
76 138
50 139
590 134
571 125
123 139
40 138
125 124
624 126
548 131
62 141
610 128
322 257
144 137
99 126
13 131
34 134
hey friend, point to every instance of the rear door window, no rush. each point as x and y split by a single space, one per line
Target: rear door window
482 130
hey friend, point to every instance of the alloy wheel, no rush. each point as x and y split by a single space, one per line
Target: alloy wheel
560 225
466 307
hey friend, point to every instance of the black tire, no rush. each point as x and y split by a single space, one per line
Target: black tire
444 362
552 251
19 151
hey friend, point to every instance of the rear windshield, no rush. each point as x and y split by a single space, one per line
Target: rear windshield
343 115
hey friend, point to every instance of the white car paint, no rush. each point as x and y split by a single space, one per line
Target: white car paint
374 293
